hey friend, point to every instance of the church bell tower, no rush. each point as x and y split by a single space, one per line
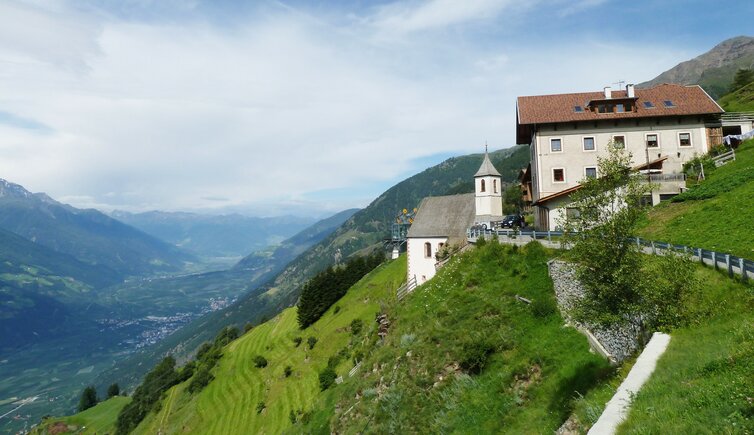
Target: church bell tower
488 191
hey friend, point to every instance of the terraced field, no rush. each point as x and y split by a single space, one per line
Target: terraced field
96 420
230 403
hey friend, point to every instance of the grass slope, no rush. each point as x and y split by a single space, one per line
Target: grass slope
228 405
99 419
423 379
741 100
721 219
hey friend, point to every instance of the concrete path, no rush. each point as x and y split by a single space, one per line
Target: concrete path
617 408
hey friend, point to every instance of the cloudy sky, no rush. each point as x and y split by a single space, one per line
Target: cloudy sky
303 107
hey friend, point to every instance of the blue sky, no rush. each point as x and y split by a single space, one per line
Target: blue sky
302 107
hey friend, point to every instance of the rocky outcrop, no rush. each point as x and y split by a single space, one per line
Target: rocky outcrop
618 342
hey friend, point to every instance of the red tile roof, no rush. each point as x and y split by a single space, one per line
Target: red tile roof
687 100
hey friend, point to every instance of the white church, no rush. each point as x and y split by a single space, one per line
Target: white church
443 220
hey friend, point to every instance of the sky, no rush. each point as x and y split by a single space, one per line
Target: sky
301 107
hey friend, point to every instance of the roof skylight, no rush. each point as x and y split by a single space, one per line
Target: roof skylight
649 105
578 109
668 103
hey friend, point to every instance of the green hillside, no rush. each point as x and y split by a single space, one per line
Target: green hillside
229 403
362 232
99 419
717 214
741 100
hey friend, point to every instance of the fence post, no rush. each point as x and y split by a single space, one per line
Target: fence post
638 243
534 234
714 259
699 253
729 265
549 236
654 251
741 268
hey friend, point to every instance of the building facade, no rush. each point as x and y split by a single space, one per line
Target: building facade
662 127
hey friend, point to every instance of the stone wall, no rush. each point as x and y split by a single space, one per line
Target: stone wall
619 342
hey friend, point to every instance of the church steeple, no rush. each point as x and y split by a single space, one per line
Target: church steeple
488 190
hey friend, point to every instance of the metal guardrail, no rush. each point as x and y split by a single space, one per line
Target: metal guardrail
734 265
666 177
737 116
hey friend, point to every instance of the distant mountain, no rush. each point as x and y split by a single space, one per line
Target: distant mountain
713 70
230 235
361 233
88 235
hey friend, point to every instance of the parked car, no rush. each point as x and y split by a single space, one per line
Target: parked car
513 221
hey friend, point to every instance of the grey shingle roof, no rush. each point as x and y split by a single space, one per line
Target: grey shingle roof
444 216
487 168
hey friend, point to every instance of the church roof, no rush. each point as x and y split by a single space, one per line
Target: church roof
444 216
487 168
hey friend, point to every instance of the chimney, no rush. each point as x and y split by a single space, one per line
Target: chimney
608 92
630 90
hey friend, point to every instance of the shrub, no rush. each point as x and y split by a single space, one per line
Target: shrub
288 371
311 341
336 310
228 334
187 371
543 307
475 355
201 379
327 378
203 349
664 298
297 341
358 356
248 327
260 362
260 407
356 326
292 417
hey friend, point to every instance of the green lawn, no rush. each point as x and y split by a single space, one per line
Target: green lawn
229 404
423 379
722 222
99 419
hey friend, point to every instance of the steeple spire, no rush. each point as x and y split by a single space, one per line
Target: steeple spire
487 167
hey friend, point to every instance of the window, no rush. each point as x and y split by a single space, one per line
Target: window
588 144
494 186
556 145
482 187
558 175
649 105
652 141
620 108
619 141
668 103
605 108
573 213
578 109
427 250
590 172
684 139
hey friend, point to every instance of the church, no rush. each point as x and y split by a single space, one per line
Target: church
442 221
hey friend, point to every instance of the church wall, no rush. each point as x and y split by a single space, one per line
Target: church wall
420 266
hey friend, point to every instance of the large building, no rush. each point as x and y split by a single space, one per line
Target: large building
662 127
443 220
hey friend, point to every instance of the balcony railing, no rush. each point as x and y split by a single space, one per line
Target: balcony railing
665 178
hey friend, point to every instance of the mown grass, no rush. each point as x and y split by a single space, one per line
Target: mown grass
99 419
716 215
229 404
421 379
704 383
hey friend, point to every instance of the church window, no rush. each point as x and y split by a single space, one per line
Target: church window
482 187
494 186
427 250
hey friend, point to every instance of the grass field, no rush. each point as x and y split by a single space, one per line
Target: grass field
229 403
99 419
721 222
463 355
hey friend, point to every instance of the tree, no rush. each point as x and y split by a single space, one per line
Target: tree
113 390
327 378
260 362
513 199
743 77
311 341
603 216
88 398
356 326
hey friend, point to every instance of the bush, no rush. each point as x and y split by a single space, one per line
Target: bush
311 341
248 327
260 362
228 334
356 326
475 355
260 407
187 371
336 310
664 298
288 371
297 341
292 417
327 378
201 379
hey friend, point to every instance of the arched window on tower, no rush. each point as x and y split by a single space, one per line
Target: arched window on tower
427 250
494 186
481 187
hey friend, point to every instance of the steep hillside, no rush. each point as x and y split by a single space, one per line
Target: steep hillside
716 214
713 70
363 231
741 100
99 419
87 235
230 235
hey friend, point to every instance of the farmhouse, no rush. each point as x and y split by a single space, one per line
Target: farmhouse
442 221
662 127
